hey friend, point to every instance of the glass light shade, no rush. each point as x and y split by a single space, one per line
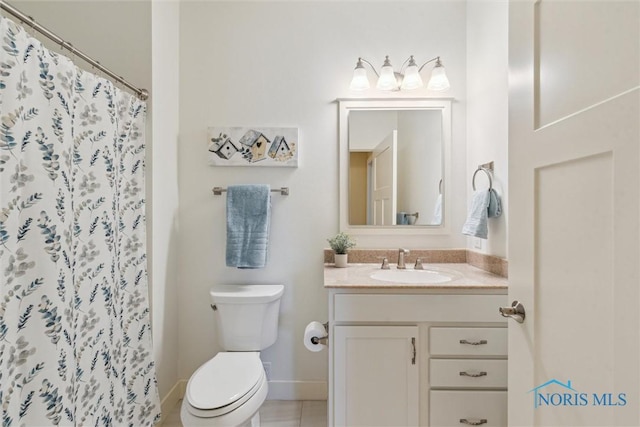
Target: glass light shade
412 79
439 80
387 79
359 80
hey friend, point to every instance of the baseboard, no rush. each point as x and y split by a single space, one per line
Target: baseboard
297 390
171 399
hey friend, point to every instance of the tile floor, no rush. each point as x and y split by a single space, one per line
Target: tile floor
277 413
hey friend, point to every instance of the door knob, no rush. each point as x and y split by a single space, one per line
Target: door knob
516 311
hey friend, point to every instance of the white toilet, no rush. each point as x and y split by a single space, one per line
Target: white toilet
229 389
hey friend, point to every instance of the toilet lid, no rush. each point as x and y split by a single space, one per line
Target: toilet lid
224 379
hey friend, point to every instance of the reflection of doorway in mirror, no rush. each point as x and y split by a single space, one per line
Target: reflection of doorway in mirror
373 183
418 164
382 182
358 179
358 189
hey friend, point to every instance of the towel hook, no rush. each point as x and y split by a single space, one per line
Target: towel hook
485 170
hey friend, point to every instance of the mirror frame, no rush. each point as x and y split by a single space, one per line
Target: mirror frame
345 105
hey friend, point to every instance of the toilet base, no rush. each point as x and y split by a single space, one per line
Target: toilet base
247 415
255 420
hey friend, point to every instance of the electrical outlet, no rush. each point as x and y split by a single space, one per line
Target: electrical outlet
267 369
477 243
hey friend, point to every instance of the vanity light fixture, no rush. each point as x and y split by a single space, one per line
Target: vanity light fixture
407 79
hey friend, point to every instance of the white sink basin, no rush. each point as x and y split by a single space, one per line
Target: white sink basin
412 276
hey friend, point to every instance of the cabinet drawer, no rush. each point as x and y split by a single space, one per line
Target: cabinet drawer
468 341
418 308
471 373
461 408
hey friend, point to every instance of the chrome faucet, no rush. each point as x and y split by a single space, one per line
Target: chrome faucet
401 253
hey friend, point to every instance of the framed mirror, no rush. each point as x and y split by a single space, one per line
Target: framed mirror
395 157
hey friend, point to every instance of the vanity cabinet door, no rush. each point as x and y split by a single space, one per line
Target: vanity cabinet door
376 375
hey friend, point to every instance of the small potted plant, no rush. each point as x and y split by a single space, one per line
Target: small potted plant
340 244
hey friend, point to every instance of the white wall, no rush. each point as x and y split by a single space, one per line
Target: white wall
116 33
487 109
421 162
284 64
164 195
367 129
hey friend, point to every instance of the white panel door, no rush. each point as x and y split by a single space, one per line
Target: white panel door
375 376
384 177
574 212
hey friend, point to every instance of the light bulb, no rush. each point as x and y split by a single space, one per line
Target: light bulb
359 80
412 79
439 80
387 79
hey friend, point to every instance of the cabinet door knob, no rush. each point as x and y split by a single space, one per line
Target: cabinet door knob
472 422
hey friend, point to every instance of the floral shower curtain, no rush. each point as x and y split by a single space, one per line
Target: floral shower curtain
75 339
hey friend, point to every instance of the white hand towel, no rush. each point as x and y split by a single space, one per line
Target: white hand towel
495 204
476 224
437 212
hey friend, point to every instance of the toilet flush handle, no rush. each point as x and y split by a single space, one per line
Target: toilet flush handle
213 306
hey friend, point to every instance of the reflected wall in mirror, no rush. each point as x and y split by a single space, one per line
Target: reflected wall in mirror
395 167
394 163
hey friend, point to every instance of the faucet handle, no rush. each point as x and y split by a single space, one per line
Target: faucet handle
418 265
385 264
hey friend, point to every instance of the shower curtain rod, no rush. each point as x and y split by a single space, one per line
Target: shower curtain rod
143 94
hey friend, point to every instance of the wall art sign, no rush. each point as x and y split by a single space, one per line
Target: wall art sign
253 146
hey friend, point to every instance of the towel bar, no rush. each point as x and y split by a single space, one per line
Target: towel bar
485 170
217 191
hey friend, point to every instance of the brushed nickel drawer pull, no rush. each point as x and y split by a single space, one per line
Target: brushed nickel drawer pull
481 342
413 344
473 423
479 374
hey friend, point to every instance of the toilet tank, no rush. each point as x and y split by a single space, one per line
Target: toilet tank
246 316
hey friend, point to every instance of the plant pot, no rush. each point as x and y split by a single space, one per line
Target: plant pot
340 260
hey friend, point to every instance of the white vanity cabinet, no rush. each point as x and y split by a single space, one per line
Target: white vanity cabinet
376 379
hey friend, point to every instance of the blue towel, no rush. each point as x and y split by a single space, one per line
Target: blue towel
495 204
476 224
248 219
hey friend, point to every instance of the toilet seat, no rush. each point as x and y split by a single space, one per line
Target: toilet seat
224 383
245 414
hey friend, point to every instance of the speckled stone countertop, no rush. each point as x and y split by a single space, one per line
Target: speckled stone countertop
465 276
485 262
